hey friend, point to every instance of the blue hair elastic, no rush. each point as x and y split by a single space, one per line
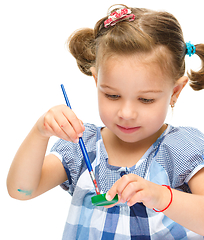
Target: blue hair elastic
190 49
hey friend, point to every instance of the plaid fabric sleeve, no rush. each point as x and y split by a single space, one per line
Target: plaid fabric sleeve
181 154
72 158
67 152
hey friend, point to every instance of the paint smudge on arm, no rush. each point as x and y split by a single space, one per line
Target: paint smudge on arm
27 193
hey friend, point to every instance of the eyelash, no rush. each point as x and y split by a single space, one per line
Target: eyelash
116 97
146 101
112 97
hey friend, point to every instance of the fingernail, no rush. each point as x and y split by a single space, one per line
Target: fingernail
80 134
82 124
108 197
122 201
76 140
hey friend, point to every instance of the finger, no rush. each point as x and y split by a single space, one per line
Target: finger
112 205
135 198
65 118
51 127
67 121
131 193
55 130
76 124
65 126
120 185
82 125
117 188
113 191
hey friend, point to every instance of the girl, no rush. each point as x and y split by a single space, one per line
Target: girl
136 57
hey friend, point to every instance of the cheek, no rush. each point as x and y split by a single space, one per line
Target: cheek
157 114
105 110
103 107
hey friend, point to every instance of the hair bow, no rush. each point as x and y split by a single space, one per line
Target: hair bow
118 16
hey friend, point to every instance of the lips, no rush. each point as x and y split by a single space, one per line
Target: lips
128 130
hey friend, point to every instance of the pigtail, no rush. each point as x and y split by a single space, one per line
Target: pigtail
197 78
82 46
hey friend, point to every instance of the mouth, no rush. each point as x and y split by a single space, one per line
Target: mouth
128 130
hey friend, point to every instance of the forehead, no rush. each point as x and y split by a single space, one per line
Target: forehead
159 58
142 69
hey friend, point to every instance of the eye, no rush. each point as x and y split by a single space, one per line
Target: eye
112 97
146 101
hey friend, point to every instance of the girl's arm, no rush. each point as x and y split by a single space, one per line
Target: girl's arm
186 209
31 173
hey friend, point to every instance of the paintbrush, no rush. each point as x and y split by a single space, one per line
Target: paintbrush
83 148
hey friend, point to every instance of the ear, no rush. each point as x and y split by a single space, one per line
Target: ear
94 74
178 87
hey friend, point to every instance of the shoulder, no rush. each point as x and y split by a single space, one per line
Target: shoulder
90 136
181 153
185 130
182 143
91 131
184 138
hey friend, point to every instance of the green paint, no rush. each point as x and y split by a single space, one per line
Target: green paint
27 193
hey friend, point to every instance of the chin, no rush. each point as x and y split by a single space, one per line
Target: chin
128 139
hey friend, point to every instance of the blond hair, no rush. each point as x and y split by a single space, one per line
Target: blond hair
151 31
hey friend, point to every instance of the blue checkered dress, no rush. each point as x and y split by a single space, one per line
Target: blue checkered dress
176 156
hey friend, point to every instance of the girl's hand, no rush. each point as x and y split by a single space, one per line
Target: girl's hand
132 189
62 122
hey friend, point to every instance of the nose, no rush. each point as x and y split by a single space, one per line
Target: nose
127 111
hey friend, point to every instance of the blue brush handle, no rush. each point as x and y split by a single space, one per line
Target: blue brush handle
81 142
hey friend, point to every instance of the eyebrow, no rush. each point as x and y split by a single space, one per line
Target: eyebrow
105 86
146 91
151 91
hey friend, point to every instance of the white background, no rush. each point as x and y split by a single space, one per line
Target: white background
33 63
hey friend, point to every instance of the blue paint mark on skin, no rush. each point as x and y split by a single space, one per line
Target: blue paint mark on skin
27 193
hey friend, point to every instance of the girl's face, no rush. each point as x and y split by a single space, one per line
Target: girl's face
133 97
